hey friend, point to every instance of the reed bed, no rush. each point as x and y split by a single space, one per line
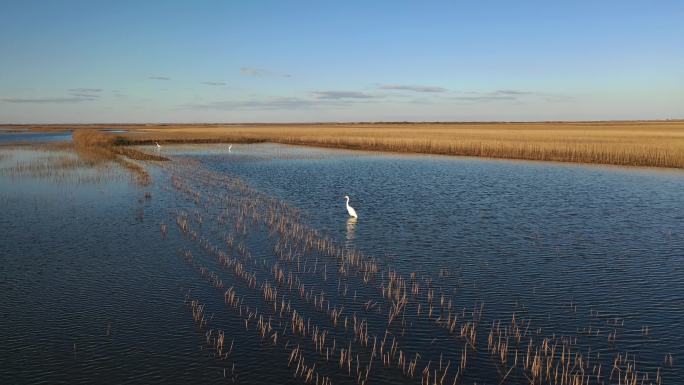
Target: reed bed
364 326
636 143
94 144
300 327
60 165
215 341
90 158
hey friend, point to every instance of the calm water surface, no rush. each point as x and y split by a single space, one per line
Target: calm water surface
33 137
92 292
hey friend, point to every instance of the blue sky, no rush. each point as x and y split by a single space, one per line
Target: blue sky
302 61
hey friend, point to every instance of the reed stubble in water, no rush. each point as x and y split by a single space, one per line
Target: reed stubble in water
287 307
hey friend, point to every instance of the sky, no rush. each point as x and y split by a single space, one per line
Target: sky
97 61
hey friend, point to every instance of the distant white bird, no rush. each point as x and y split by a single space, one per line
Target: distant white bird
158 146
350 210
229 147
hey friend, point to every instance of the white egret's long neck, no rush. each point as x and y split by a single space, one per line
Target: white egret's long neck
346 201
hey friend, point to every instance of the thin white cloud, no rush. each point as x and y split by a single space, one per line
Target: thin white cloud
275 103
84 95
66 99
262 72
483 98
85 90
75 95
414 88
335 95
507 94
512 92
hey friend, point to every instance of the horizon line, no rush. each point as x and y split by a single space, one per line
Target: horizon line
348 122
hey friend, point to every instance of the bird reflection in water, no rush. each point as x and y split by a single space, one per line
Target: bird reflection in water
351 229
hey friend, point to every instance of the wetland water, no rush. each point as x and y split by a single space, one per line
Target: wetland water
485 261
7 136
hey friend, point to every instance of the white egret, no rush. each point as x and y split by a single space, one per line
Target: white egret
350 210
229 147
158 146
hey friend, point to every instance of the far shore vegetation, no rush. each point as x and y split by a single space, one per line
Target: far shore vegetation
633 143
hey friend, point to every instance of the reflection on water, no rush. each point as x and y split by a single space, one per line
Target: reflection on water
351 229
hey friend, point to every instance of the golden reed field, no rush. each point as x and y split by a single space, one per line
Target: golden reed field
634 143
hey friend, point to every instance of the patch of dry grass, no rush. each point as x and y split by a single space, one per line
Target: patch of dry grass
97 146
637 143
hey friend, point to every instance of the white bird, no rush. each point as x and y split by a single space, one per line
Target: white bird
229 147
158 146
350 210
